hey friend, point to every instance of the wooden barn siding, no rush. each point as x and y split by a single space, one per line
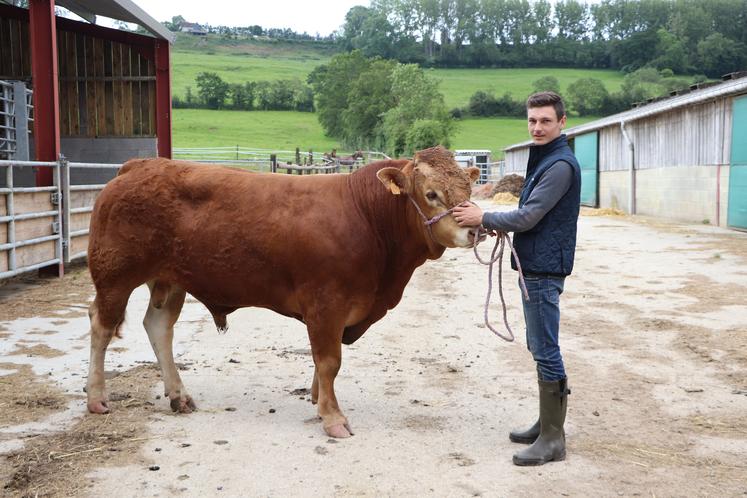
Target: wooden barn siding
106 88
695 135
15 60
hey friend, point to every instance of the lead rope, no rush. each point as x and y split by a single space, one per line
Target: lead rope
502 240
500 244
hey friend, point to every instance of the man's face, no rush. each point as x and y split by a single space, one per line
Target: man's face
544 125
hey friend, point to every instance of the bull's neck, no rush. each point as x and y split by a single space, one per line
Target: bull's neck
394 219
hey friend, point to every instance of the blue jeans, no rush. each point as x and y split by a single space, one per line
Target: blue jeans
542 317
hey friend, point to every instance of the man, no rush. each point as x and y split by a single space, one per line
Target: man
545 242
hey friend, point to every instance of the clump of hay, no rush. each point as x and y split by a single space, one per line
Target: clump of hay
505 198
25 397
601 212
55 464
510 183
484 191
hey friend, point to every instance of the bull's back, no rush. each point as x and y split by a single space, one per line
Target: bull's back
213 229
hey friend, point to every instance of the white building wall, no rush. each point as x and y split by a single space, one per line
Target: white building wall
690 194
614 188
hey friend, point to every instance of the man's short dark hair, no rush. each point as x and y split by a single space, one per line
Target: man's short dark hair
544 99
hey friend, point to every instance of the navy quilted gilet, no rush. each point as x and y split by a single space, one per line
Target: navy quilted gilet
549 247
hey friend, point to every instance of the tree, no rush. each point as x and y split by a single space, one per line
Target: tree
671 53
542 21
571 18
417 97
331 84
239 97
719 55
175 24
263 95
353 27
425 133
587 96
640 85
303 99
546 84
482 103
369 97
212 89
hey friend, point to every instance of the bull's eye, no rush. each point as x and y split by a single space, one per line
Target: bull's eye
431 195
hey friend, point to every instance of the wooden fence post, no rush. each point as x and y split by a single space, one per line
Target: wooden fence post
273 163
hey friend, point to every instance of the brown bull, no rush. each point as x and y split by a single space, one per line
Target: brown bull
232 239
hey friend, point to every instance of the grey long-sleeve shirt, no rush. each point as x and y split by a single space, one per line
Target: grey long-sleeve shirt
551 187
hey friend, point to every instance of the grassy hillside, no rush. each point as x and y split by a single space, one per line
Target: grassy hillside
458 85
495 133
279 130
237 61
285 130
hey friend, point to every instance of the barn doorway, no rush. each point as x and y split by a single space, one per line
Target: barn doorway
586 148
737 213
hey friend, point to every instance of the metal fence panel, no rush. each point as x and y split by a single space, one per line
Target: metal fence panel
15 246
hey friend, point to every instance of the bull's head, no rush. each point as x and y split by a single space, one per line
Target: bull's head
435 183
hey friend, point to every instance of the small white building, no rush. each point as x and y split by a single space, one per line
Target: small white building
683 157
475 157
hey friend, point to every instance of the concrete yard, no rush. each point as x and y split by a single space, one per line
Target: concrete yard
654 335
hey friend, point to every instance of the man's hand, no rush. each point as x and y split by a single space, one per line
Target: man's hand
468 214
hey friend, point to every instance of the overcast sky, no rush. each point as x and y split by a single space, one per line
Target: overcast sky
299 15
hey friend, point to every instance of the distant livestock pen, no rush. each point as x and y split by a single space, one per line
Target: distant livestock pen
270 160
683 157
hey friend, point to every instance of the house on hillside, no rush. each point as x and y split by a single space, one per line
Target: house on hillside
682 157
192 28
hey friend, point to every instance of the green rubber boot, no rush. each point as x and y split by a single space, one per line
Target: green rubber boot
526 437
550 444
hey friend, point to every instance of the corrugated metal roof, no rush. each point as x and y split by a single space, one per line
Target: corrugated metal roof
122 10
731 87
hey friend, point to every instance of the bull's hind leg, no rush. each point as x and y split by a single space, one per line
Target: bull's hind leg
326 347
106 314
163 311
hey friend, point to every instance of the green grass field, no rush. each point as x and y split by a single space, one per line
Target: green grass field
241 61
495 133
278 130
458 85
237 61
281 130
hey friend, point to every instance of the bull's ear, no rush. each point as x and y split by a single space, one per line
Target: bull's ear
394 179
474 174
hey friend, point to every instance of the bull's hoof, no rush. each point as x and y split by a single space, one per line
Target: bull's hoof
183 405
340 431
100 407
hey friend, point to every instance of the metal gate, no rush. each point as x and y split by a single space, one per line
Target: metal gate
586 150
737 212
44 226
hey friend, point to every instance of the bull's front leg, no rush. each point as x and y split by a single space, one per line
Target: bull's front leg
326 348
